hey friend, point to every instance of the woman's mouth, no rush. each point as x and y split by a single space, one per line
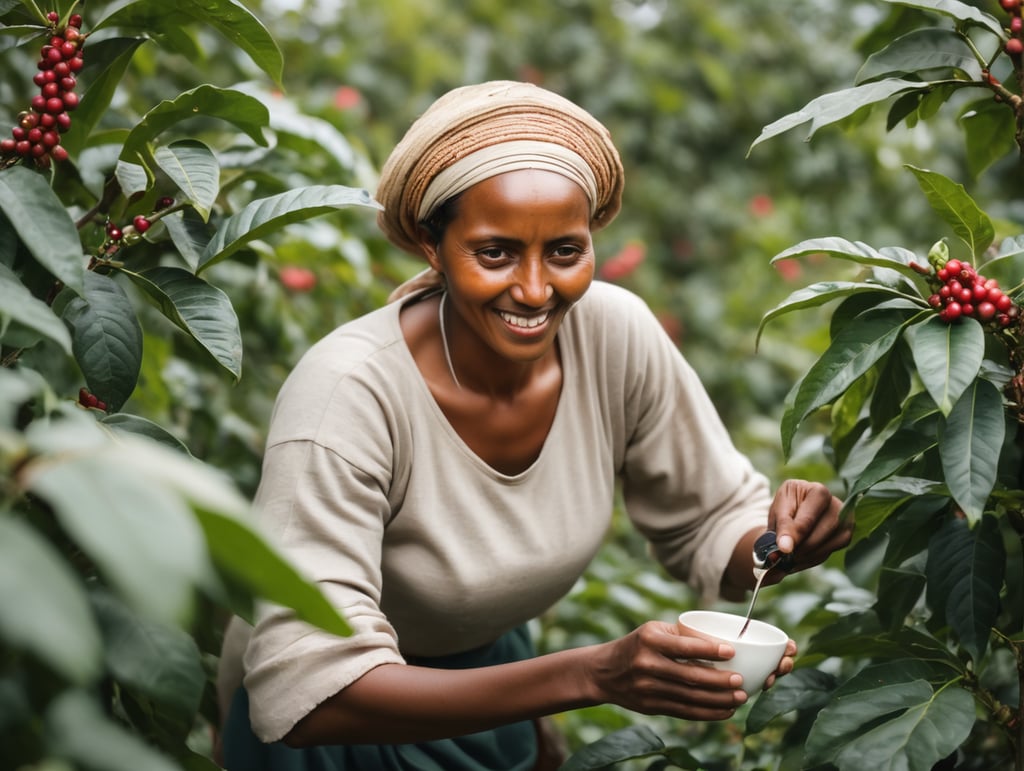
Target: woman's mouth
520 321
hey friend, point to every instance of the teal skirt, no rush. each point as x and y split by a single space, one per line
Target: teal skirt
508 748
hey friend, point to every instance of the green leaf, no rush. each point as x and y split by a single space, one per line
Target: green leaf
236 108
887 498
834 107
818 294
854 350
200 309
965 575
636 741
139 426
897 451
78 731
267 215
899 590
106 338
805 689
948 357
143 538
18 305
970 444
43 606
931 725
192 166
190 235
160 661
988 133
951 202
923 49
956 10
243 554
895 258
105 65
228 17
43 224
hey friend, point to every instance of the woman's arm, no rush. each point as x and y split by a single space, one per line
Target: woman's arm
646 671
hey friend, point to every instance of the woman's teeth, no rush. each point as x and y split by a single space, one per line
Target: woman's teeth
526 322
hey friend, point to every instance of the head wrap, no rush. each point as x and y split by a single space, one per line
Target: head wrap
479 131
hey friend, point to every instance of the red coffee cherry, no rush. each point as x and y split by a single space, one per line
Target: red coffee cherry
142 224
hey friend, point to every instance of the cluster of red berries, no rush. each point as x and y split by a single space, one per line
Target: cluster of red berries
964 292
1014 46
37 135
140 224
88 399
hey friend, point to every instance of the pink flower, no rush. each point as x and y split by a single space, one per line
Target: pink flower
297 279
790 270
346 97
625 262
761 205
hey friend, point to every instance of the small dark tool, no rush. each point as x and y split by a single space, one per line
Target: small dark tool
767 555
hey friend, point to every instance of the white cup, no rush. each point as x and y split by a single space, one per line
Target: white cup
758 651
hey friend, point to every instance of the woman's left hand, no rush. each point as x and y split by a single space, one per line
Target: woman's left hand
805 518
785 666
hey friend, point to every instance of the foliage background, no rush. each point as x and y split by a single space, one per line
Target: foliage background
685 86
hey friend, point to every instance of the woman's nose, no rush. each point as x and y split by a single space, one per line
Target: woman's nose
531 286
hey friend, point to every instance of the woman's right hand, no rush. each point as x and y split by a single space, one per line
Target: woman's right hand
655 670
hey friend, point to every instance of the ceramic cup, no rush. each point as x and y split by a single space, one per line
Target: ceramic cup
758 651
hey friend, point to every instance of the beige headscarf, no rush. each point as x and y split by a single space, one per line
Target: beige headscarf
475 132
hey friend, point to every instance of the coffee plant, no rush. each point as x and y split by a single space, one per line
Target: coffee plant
121 550
922 385
920 396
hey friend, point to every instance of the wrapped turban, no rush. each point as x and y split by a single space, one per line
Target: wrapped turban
479 131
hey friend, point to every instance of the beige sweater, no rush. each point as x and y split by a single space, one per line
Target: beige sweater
425 548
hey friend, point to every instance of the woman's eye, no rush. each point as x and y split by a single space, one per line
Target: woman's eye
492 254
566 254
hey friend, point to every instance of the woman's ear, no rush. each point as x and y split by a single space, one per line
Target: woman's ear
428 245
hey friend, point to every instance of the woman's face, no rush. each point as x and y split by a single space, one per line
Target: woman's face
516 256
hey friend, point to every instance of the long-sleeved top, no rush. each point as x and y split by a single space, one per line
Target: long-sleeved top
426 549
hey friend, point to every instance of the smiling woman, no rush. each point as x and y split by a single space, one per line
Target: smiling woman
445 468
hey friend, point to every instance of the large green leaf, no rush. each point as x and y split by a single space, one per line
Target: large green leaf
236 108
955 10
897 451
18 305
238 550
899 591
820 293
192 166
267 215
922 49
43 224
163 662
854 350
970 444
929 727
229 17
105 66
106 338
989 129
134 424
805 689
834 107
957 208
143 538
895 258
43 606
634 742
965 575
948 357
200 309
78 730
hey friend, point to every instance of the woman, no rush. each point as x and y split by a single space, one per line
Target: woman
445 468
